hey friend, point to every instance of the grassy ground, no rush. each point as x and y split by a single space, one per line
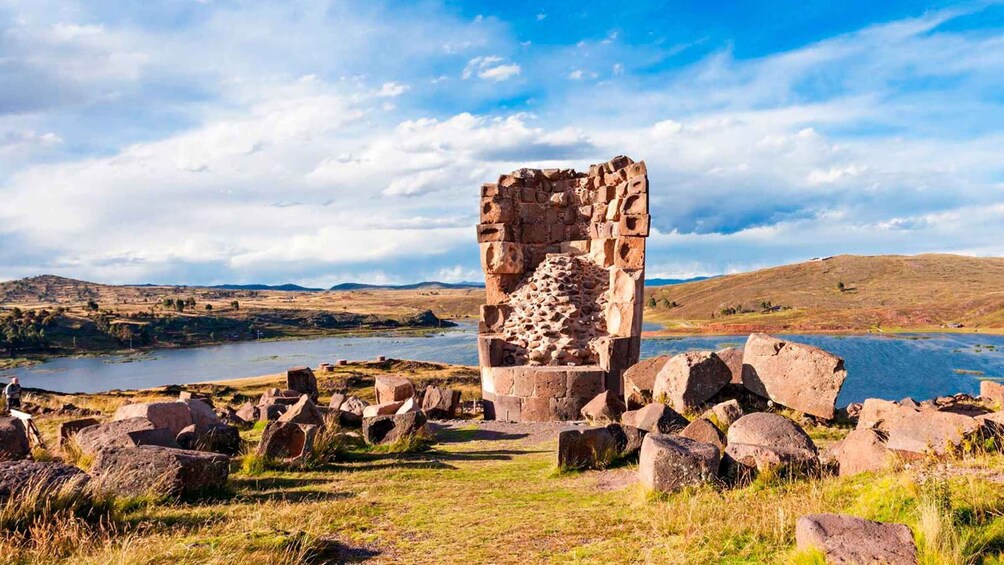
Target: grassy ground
481 495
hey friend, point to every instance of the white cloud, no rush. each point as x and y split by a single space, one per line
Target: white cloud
392 89
491 67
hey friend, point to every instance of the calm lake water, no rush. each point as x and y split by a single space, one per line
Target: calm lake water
891 367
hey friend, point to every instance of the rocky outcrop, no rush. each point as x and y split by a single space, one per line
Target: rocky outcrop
669 463
639 380
690 379
655 418
798 376
392 427
725 413
847 539
733 358
862 451
384 409
138 471
13 440
605 407
586 448
703 431
913 429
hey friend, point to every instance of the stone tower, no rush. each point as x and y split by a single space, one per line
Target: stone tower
564 260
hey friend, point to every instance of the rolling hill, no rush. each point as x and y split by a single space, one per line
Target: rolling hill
841 293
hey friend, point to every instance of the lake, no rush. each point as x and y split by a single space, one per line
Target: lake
884 366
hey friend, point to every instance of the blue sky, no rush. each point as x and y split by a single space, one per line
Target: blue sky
320 142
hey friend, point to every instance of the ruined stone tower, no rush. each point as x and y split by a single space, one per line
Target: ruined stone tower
564 260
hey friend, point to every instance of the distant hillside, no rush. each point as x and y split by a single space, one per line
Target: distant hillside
432 285
846 292
281 287
668 282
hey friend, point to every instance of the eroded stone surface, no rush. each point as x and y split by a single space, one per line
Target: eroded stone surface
851 540
795 375
669 463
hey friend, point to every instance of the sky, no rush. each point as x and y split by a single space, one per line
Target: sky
313 142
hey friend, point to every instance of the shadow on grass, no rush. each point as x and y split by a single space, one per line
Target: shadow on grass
311 495
454 435
327 550
270 483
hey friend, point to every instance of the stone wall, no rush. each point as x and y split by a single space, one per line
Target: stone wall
564 260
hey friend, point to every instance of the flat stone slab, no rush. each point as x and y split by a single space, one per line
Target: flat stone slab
851 540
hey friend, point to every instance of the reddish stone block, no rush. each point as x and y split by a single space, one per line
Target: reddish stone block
502 258
549 381
498 287
637 170
635 204
497 232
536 409
637 185
630 253
504 379
493 317
489 189
585 382
634 226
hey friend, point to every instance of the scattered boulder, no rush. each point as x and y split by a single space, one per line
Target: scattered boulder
762 441
351 411
393 388
221 438
69 429
918 430
586 448
669 463
392 427
639 380
303 412
17 477
410 405
203 415
276 396
162 470
690 379
795 375
130 432
655 418
249 413
627 438
287 441
303 381
725 413
336 400
704 431
847 539
174 416
272 412
440 403
733 358
605 407
863 450
13 440
385 409
993 392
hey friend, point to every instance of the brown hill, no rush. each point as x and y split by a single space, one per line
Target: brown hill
842 293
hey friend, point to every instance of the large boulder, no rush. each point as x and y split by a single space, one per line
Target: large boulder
851 540
655 418
203 415
605 407
733 357
639 380
725 413
392 427
992 392
669 463
690 379
586 448
221 438
795 375
627 438
440 403
393 388
13 440
762 441
150 469
862 451
918 431
702 430
410 405
174 416
287 441
384 409
351 411
69 429
249 413
276 396
130 432
22 477
303 412
303 381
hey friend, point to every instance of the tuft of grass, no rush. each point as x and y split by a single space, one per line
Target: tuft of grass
412 443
